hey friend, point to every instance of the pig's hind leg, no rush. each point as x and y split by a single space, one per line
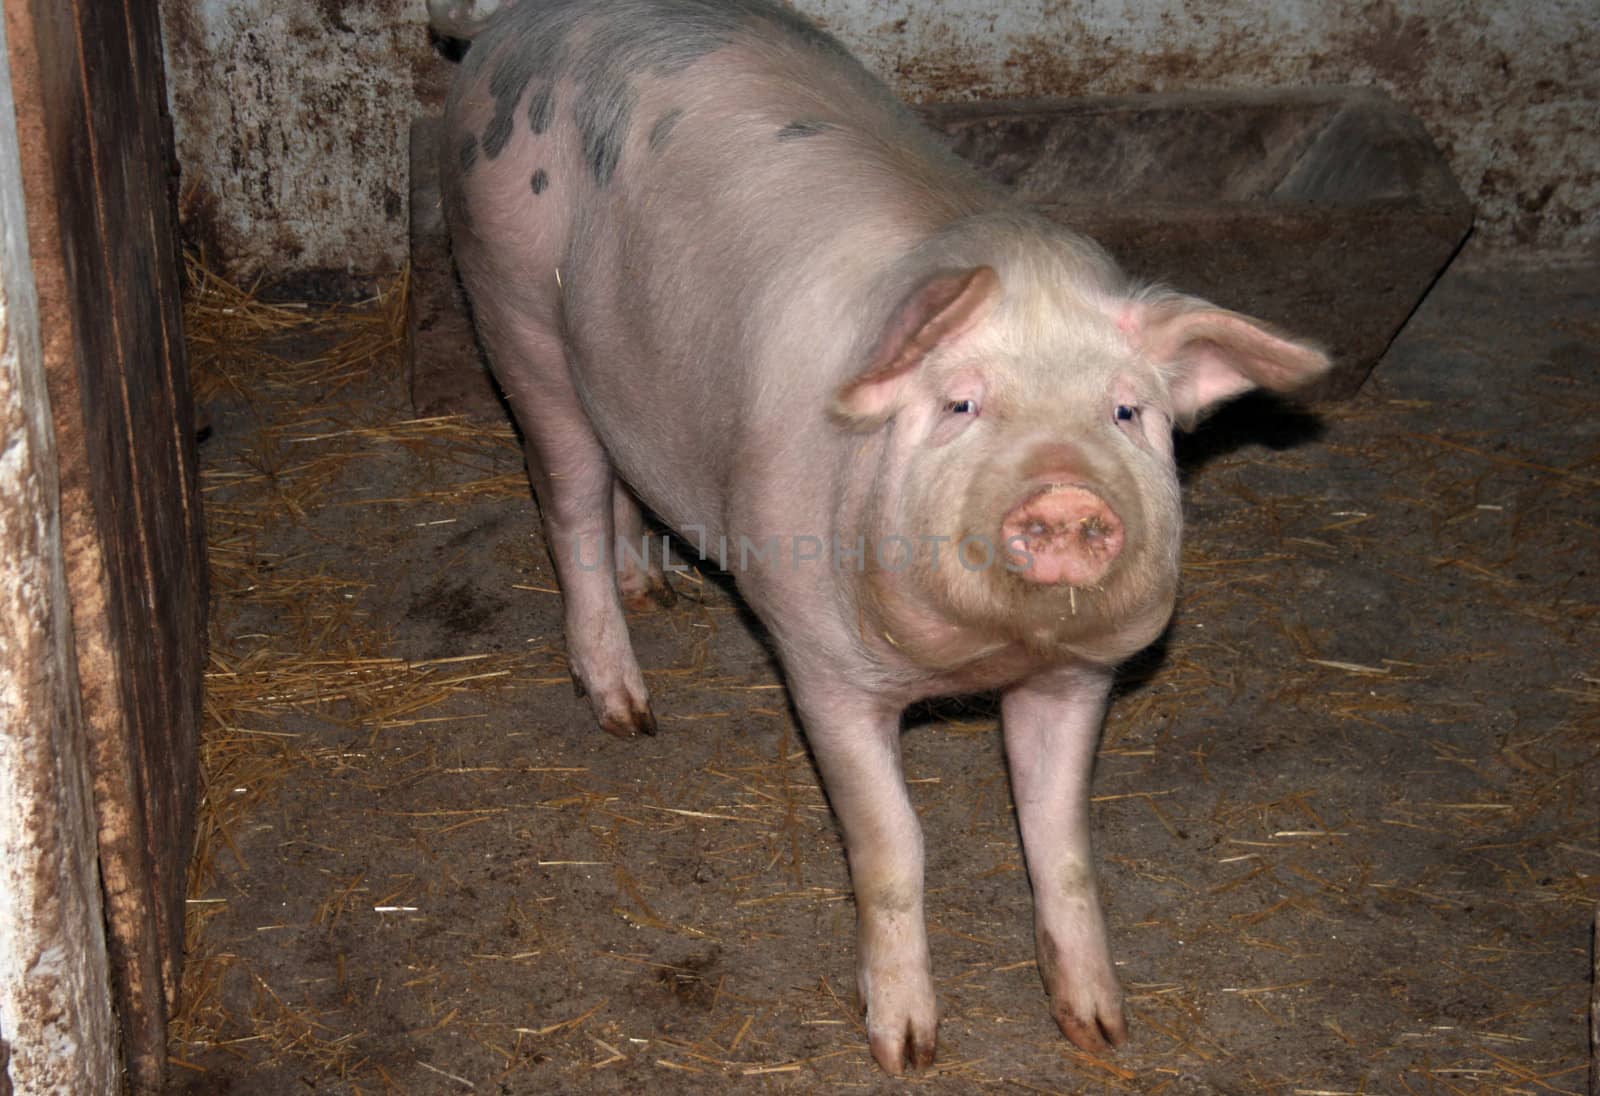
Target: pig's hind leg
574 482
640 578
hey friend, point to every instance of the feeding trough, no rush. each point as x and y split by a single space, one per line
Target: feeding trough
1327 210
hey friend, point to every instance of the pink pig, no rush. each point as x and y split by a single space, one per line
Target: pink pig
721 272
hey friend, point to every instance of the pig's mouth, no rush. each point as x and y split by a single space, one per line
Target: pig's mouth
1072 576
1064 534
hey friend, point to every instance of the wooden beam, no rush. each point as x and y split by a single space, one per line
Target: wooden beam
55 993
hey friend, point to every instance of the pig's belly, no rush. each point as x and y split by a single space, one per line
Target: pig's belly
663 450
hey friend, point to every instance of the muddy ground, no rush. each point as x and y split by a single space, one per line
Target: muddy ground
1346 811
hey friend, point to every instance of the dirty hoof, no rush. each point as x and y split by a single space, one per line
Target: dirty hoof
1100 1035
1085 997
897 1050
619 709
1095 1024
626 724
659 594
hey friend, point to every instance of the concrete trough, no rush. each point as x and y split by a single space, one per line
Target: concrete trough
1326 210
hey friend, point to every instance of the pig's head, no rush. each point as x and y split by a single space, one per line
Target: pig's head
1026 401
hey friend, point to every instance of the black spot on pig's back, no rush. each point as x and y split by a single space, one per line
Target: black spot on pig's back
663 128
541 42
802 128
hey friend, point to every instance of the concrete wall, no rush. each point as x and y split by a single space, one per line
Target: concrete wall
291 115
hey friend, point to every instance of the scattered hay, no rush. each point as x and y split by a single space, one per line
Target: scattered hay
243 346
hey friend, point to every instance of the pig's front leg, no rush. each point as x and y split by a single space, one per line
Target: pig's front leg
1052 726
856 740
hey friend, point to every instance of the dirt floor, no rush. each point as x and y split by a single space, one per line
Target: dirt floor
1348 812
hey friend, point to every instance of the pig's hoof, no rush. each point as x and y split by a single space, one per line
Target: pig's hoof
902 1026
647 598
1085 996
907 1044
625 720
1098 1030
634 720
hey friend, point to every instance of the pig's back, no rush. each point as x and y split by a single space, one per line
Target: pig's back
723 189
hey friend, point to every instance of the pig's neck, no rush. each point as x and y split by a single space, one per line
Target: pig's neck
926 653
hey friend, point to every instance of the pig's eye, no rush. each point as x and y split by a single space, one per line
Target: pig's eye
962 407
1126 412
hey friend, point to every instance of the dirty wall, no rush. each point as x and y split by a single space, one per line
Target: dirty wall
291 115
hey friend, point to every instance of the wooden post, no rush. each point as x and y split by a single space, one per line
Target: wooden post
95 169
55 997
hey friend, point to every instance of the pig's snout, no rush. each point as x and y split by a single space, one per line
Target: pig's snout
1065 534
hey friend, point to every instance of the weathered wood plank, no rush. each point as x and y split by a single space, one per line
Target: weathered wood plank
90 110
60 1036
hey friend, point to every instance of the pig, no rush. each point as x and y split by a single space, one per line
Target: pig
722 274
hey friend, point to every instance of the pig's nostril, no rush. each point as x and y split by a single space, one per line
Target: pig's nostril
1066 534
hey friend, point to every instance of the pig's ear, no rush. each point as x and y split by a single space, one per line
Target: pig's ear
937 312
1211 355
